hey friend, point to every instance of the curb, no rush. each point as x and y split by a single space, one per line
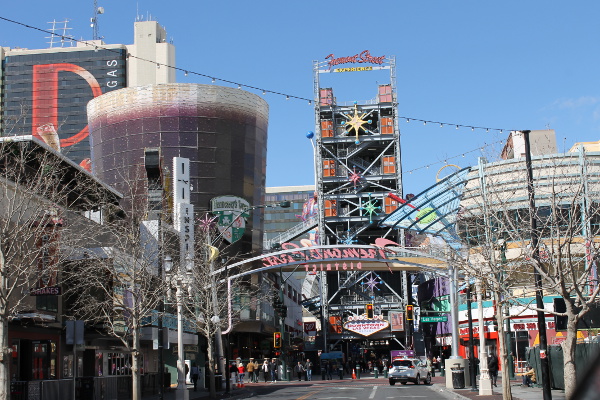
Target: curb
447 393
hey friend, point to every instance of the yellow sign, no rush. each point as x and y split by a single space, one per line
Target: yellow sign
353 69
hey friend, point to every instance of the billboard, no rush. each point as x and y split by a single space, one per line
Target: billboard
46 94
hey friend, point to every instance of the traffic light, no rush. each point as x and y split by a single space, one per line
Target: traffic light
283 311
410 315
277 340
369 310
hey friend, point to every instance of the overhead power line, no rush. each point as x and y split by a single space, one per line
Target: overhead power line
240 85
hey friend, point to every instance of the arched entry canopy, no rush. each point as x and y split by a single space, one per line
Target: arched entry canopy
333 258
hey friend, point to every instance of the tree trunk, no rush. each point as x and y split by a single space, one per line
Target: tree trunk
4 358
506 391
136 393
568 347
211 370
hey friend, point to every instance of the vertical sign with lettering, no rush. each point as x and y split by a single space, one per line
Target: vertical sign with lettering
183 211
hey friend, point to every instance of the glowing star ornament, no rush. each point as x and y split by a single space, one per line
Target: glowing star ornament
206 222
372 283
356 122
354 177
371 208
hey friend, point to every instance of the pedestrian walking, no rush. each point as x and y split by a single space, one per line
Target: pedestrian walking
195 374
273 370
493 368
266 370
308 366
252 368
299 369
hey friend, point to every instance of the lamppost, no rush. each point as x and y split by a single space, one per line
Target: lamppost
163 265
179 279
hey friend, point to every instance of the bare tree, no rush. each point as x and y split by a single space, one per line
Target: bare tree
215 298
43 199
118 288
496 224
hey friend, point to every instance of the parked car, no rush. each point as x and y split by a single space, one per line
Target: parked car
406 370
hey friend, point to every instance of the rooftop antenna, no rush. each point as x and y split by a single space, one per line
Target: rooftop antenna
94 21
63 38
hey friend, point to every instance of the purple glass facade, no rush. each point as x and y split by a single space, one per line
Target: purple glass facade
223 131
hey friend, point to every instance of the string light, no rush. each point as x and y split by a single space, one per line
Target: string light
479 149
443 124
128 55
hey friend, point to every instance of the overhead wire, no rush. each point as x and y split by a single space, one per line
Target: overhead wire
215 79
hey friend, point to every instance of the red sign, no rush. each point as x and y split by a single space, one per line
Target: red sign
45 117
363 57
310 327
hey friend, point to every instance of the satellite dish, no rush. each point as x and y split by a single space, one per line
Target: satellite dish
100 10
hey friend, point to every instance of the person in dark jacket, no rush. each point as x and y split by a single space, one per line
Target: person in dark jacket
299 369
493 368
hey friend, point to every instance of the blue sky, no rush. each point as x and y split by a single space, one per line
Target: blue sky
511 65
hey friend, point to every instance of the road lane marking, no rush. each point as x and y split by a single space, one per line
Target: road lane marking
372 395
307 395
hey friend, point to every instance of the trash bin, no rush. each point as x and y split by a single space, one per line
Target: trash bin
218 381
85 387
458 377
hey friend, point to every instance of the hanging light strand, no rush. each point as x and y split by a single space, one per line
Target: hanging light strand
445 161
214 79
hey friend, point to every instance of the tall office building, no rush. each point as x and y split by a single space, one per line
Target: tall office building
45 91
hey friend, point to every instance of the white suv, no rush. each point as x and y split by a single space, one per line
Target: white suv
409 370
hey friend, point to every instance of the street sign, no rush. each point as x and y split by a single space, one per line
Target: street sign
437 318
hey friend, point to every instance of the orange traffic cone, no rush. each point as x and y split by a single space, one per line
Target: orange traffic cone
353 373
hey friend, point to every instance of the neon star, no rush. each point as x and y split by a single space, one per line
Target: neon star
356 122
372 283
206 222
354 177
371 208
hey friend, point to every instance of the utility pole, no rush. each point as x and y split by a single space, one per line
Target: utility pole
539 294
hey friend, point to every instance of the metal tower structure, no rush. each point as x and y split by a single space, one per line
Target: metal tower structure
358 163
357 159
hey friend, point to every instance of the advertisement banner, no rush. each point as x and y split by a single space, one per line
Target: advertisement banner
366 327
396 321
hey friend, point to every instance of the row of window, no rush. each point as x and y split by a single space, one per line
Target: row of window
563 220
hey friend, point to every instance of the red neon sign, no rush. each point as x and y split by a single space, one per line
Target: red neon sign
45 101
363 57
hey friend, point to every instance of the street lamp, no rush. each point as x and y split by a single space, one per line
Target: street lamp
178 277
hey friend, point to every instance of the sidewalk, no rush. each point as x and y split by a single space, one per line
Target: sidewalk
518 392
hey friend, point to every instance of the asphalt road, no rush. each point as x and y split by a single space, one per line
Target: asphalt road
342 390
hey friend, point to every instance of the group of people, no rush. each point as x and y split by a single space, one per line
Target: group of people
238 371
304 370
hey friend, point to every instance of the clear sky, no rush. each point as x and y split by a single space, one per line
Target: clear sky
511 64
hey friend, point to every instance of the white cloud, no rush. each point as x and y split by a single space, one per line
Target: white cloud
574 103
